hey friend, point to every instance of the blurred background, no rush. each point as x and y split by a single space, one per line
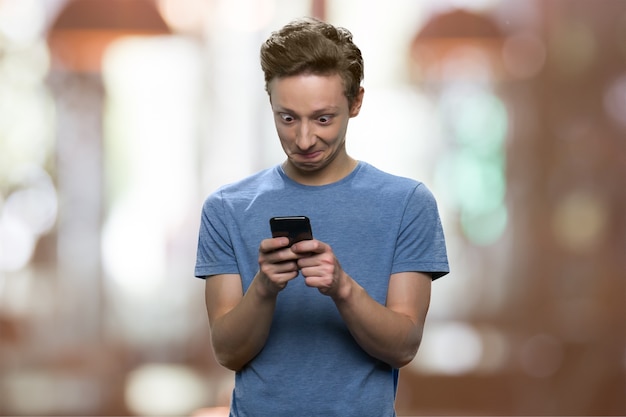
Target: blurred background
118 117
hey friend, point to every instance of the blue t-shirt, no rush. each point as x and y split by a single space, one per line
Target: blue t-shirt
377 224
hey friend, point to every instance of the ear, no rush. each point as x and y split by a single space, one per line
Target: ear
356 104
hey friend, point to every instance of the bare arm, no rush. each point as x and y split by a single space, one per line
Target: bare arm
240 323
391 333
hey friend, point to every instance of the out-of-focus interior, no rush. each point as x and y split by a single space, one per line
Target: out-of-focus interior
118 117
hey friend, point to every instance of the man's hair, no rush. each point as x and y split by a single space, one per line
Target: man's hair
310 46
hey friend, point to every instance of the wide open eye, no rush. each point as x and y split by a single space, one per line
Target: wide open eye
325 119
286 117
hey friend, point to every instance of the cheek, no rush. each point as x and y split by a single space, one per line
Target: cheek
284 133
285 136
333 134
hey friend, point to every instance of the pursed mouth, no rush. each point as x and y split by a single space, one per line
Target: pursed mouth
309 155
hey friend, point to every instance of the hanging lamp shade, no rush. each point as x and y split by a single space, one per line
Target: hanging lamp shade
84 28
445 35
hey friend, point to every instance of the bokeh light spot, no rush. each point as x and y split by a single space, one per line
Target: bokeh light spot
472 176
485 228
615 101
34 204
247 15
28 212
16 244
451 348
163 389
476 188
579 221
523 55
21 20
470 183
573 48
185 15
481 122
541 356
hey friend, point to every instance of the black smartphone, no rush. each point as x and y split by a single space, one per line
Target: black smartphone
296 228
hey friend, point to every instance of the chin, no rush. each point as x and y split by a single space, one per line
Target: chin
307 166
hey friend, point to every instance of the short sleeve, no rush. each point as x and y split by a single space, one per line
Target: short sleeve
421 244
215 254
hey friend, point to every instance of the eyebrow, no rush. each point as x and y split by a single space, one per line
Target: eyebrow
322 111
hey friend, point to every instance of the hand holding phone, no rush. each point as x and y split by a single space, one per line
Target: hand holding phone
296 228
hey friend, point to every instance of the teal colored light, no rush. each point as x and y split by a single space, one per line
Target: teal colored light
472 174
480 122
472 183
485 228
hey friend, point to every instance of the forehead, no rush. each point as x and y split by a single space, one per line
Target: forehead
307 92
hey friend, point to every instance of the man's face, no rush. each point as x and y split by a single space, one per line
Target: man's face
311 114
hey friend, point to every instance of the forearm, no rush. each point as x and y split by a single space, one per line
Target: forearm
385 334
239 335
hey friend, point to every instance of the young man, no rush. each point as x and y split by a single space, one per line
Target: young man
319 328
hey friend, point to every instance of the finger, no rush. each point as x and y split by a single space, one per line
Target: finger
283 278
325 260
272 251
272 264
280 272
309 246
273 244
286 267
321 283
312 264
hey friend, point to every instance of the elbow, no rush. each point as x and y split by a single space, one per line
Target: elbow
229 361
405 356
226 354
233 366
230 357
232 354
402 361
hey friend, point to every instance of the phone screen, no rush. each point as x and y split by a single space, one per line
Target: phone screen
296 228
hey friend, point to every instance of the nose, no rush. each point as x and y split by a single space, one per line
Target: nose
305 138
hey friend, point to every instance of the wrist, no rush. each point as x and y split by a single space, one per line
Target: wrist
264 288
345 289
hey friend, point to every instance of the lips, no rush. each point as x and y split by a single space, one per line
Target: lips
310 155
